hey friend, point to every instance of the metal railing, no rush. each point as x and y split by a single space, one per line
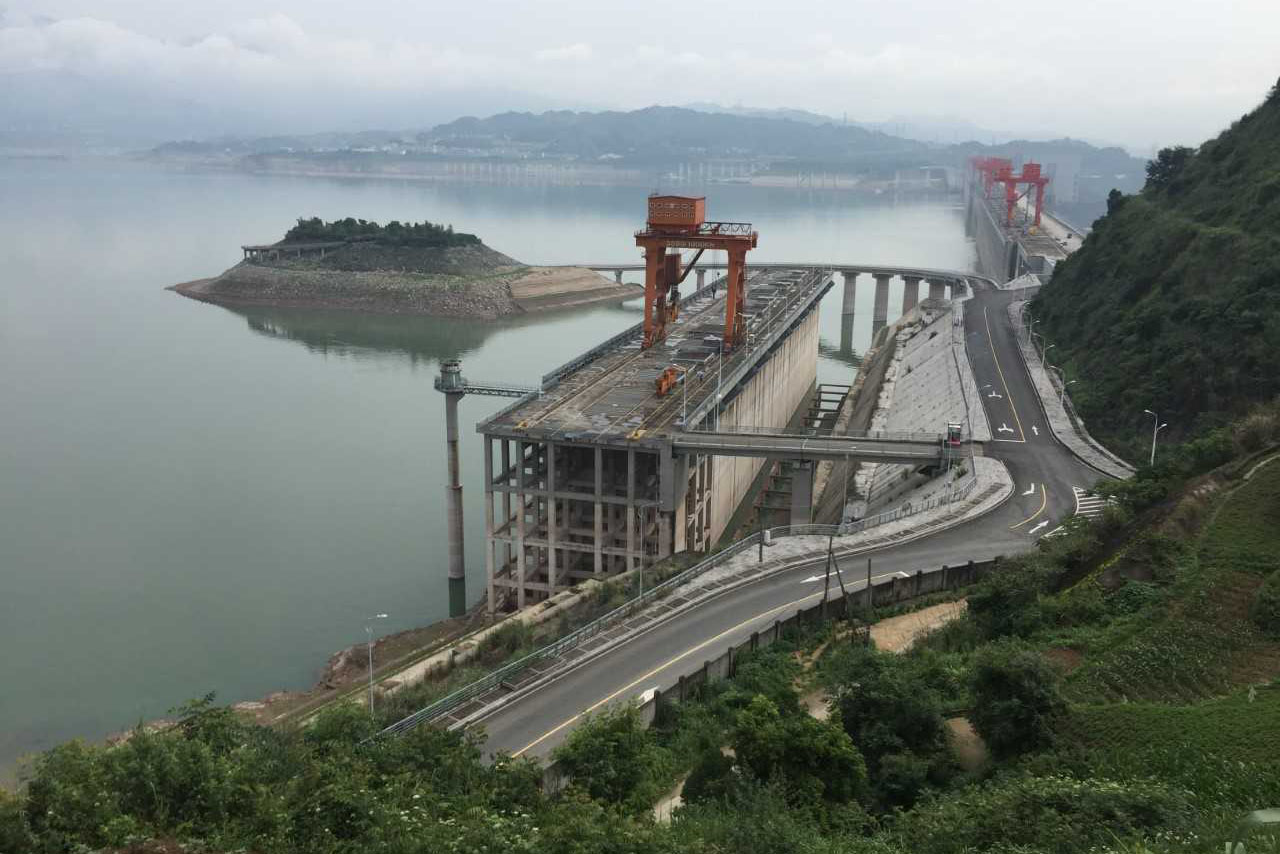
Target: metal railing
494 680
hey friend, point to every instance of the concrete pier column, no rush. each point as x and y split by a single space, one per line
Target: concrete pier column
910 292
617 276
880 308
847 310
802 493
702 276
451 384
937 289
850 291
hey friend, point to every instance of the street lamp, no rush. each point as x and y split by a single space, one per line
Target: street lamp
368 630
1062 392
1156 427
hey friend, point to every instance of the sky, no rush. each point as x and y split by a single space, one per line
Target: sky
1141 73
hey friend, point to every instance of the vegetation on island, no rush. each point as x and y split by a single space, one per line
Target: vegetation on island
394 233
1173 302
1121 681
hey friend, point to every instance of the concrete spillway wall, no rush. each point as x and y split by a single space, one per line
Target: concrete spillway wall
997 254
768 399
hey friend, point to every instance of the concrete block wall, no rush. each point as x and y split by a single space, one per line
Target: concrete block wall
925 388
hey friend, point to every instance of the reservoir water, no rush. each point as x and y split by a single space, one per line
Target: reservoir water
199 499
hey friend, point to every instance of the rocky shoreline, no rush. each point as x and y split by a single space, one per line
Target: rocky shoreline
499 292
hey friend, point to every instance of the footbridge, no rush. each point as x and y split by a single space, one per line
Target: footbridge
906 448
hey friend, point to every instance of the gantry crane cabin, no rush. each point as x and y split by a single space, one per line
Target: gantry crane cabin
679 222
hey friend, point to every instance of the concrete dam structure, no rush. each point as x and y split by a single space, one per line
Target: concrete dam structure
586 478
1007 251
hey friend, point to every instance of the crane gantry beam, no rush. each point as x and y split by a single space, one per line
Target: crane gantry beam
679 222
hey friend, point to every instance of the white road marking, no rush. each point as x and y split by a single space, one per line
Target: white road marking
1089 506
1031 490
1004 428
996 396
1035 429
812 579
1038 527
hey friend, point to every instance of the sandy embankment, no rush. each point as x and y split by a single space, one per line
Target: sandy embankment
518 290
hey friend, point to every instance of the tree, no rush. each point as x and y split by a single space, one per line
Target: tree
811 757
1016 698
611 757
1165 167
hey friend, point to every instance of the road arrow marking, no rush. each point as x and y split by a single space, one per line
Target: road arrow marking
1004 428
1038 527
903 574
813 579
996 396
1035 429
1031 490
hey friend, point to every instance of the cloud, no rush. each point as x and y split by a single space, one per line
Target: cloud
282 68
578 52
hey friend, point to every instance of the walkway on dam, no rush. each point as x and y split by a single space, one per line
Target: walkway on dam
919 449
1044 475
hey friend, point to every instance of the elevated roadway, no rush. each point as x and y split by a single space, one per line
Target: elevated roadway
1044 474
916 450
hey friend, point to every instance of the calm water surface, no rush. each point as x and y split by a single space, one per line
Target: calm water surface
200 499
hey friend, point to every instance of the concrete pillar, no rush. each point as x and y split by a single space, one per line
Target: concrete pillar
850 291
617 276
489 545
702 276
910 292
522 501
598 557
629 514
880 309
457 565
802 493
847 311
937 289
551 518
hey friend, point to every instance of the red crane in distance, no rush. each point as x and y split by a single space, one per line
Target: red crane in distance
1030 176
679 222
988 168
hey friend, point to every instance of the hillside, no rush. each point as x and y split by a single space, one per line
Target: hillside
399 268
1173 303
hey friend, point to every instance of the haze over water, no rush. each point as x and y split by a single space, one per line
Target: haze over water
200 499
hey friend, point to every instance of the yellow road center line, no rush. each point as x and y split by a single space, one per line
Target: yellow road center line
661 667
1022 436
1044 500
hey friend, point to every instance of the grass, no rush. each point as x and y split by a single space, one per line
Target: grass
1245 532
1233 728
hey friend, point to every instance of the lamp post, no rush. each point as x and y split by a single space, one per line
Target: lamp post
368 630
1062 392
1156 427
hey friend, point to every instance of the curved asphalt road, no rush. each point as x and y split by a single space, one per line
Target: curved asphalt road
1043 472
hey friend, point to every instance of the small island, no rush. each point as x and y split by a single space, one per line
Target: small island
398 268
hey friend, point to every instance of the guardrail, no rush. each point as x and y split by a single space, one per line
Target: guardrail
494 680
816 433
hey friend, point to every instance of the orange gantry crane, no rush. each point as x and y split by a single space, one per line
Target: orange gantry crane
1030 176
679 222
988 168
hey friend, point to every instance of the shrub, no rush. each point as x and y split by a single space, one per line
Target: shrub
1050 813
810 757
14 835
1016 698
1265 610
613 757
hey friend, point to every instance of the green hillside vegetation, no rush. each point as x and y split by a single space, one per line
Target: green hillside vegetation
1119 676
1173 302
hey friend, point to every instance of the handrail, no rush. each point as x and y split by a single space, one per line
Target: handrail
494 680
